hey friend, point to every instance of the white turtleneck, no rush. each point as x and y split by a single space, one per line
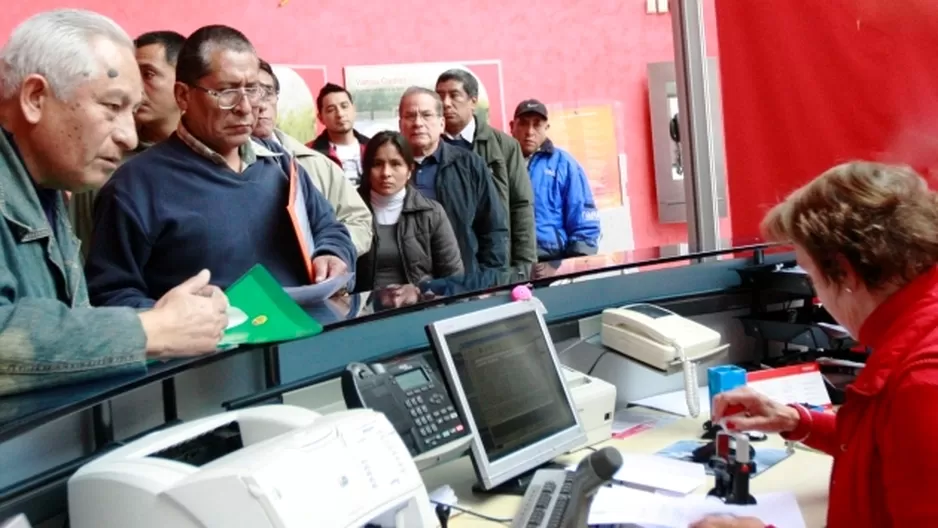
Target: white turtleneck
388 208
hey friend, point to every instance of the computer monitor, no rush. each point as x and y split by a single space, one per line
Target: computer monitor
503 371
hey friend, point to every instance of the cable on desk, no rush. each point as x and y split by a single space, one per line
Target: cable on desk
595 363
467 511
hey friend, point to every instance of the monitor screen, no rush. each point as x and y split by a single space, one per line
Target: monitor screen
511 383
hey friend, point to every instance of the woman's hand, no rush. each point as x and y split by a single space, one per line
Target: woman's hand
747 410
728 521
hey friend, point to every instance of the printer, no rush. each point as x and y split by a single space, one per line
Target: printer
595 402
273 466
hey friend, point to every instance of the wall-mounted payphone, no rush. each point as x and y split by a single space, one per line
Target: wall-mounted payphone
666 140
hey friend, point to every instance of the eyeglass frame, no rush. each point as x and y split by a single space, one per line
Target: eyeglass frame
261 94
426 118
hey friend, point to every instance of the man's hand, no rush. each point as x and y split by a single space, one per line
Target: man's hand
328 266
728 521
188 321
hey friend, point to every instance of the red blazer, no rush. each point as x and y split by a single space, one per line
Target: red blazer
884 439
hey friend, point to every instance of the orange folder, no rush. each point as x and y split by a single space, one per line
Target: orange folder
296 208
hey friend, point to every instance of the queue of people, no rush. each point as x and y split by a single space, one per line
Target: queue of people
210 183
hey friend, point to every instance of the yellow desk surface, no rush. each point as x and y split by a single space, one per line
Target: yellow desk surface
806 473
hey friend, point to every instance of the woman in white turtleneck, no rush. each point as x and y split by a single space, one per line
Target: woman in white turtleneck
414 240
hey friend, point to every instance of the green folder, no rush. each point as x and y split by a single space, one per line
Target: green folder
272 315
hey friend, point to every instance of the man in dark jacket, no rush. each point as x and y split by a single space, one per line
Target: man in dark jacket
458 179
459 91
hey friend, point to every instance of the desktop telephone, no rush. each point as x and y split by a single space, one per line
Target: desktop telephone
661 339
413 398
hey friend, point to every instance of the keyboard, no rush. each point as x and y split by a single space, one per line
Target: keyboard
546 501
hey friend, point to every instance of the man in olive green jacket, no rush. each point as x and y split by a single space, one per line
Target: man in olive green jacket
326 176
459 91
63 128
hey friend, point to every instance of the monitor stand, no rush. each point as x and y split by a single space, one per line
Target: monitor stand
515 485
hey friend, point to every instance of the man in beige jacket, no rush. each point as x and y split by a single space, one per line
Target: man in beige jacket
326 176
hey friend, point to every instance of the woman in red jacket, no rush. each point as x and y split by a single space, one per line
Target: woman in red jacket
867 235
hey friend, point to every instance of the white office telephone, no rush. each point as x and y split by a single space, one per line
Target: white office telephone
661 339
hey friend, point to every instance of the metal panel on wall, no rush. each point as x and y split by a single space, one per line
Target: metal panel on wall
669 175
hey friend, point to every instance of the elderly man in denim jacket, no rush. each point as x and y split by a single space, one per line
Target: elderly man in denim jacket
69 84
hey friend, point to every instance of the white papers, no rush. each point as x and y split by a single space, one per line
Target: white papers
443 495
236 317
676 403
658 473
619 505
634 420
315 293
793 384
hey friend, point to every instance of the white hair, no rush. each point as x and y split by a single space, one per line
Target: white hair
57 45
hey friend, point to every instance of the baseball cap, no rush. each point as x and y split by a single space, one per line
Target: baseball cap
531 106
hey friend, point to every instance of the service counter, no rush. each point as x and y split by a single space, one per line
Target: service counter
45 435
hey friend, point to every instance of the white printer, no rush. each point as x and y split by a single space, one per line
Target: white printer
274 466
595 401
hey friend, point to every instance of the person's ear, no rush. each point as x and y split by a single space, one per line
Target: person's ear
181 92
851 281
35 93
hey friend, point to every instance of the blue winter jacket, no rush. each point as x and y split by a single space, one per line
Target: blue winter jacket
564 211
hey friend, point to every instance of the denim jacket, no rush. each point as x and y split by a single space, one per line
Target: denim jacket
49 333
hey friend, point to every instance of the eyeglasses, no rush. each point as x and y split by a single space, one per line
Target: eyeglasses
230 98
270 93
412 117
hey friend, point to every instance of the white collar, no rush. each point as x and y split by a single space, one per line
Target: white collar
468 133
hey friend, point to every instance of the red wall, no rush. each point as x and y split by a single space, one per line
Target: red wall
555 50
808 84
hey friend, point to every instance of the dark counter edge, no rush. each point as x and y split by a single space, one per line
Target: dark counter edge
166 371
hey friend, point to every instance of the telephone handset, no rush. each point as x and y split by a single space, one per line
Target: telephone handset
412 397
661 339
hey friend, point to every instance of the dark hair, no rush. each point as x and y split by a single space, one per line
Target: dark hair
266 67
170 40
331 88
194 61
469 82
371 150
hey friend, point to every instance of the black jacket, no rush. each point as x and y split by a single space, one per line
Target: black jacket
466 190
425 241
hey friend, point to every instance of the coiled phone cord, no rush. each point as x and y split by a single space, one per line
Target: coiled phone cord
690 380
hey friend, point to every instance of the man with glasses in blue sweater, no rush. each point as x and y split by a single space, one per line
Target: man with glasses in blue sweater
208 197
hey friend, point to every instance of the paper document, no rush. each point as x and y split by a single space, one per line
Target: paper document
619 505
315 293
676 403
634 420
793 384
658 473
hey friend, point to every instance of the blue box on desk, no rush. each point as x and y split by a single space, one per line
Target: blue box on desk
724 378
